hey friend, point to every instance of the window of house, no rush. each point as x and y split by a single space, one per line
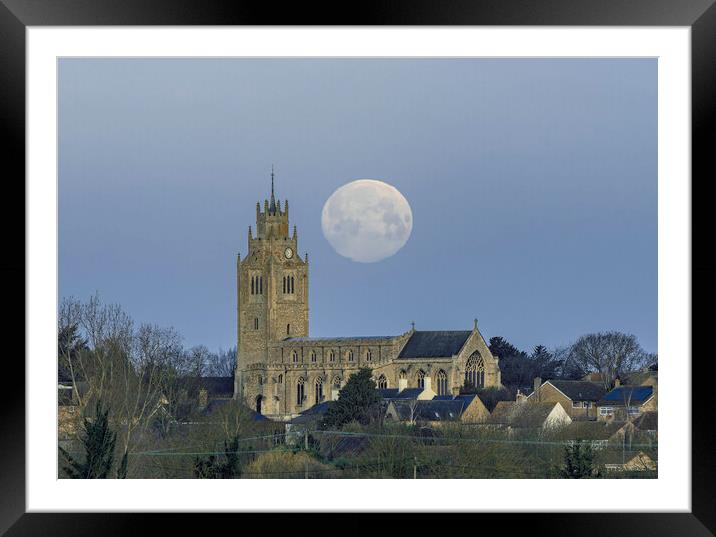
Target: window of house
442 383
606 411
313 356
633 410
576 404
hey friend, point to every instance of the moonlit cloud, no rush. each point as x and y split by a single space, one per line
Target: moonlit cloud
367 220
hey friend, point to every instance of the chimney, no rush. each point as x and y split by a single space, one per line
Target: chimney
617 382
537 384
402 384
426 383
334 393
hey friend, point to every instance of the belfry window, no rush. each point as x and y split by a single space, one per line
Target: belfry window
300 391
288 329
288 285
350 356
368 356
256 323
442 382
313 356
331 356
294 357
253 278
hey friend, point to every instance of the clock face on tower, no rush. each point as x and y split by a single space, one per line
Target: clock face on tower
288 252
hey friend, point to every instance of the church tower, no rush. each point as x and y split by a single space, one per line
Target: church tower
272 288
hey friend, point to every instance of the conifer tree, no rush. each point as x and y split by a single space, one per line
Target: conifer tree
98 442
356 401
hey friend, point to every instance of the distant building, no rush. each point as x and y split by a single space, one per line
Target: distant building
281 371
538 415
435 412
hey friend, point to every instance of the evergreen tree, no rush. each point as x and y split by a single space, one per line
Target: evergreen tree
98 442
357 401
578 461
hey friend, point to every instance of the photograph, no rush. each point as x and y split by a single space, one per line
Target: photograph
358 268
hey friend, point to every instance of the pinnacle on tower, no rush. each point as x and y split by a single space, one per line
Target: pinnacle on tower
272 207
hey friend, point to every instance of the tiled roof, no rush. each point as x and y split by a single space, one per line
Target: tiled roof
388 393
501 412
634 395
433 410
409 393
434 344
579 390
214 386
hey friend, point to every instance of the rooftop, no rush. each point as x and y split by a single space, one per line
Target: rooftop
634 395
434 344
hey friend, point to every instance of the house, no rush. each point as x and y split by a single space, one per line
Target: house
648 423
626 402
626 461
461 408
538 415
598 434
577 397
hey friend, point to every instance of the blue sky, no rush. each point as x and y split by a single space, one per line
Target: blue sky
532 183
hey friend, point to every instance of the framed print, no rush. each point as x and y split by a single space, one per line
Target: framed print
437 243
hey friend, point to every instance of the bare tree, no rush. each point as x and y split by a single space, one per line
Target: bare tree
222 363
609 353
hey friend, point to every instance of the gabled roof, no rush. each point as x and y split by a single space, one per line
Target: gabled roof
579 390
434 344
531 414
432 410
388 393
409 393
312 414
634 395
501 412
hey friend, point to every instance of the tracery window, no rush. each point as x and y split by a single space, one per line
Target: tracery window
332 356
319 390
475 371
300 390
442 383
382 382
294 357
421 379
368 356
313 356
350 356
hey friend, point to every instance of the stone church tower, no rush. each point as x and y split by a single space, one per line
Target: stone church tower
272 286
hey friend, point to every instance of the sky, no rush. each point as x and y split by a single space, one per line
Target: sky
532 185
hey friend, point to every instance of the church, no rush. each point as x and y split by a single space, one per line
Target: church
281 371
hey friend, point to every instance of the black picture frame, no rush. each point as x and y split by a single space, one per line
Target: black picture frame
699 15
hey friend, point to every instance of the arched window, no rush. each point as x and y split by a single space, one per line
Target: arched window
368 356
403 374
332 356
442 382
280 379
300 391
252 284
260 380
421 379
319 390
350 356
475 371
313 356
256 323
294 357
382 382
288 329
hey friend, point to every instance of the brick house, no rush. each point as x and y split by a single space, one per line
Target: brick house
626 402
577 397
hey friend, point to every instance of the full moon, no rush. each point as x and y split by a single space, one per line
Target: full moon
367 220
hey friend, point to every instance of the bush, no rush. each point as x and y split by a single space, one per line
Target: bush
281 464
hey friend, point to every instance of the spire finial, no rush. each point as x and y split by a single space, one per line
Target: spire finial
273 200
